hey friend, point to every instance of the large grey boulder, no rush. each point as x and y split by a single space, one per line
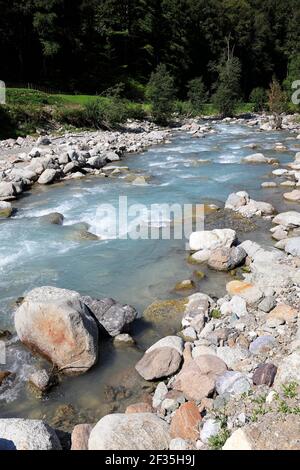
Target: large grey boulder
57 324
140 431
288 219
114 317
25 434
48 176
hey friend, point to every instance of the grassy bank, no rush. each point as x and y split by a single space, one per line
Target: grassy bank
28 110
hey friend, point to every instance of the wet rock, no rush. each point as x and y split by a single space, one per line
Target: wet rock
197 379
55 218
185 422
80 436
114 317
267 304
264 375
284 312
3 376
241 203
232 383
210 428
185 285
41 380
165 310
269 184
289 219
211 240
249 292
139 181
262 344
139 431
5 209
226 259
293 196
22 434
259 158
55 323
83 235
47 177
139 408
159 363
123 339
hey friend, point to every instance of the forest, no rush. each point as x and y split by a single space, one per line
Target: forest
87 46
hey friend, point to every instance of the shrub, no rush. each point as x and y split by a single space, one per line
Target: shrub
259 99
227 95
277 98
197 94
105 112
161 94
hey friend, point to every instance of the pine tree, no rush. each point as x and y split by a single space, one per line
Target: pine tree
197 94
161 94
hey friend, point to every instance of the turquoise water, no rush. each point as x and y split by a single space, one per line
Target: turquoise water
132 271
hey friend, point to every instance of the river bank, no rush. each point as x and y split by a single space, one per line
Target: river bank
227 329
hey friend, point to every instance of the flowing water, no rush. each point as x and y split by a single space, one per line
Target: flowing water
136 272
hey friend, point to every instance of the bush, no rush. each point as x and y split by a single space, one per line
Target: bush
105 112
197 94
259 99
227 96
277 98
161 94
71 115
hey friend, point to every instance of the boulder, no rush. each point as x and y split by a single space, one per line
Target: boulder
25 434
5 210
185 422
55 323
97 162
211 240
197 379
7 191
289 219
159 363
113 317
237 200
80 436
226 259
48 176
55 218
240 202
232 356
138 431
174 342
232 383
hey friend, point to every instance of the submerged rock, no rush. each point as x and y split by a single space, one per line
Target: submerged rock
5 209
138 431
226 259
55 218
58 325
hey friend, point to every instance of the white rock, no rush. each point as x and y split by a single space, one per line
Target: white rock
210 428
25 434
210 240
238 441
174 342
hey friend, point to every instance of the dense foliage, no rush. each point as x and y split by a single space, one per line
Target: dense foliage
89 45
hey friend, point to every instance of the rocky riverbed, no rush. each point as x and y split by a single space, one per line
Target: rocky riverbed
228 376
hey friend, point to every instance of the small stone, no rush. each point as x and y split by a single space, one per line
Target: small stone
159 363
238 441
185 423
80 436
169 405
246 290
123 339
159 395
139 408
284 312
267 304
3 376
210 428
189 334
265 375
232 383
262 345
270 397
5 209
179 444
269 184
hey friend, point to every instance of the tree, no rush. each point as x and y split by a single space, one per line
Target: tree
227 95
161 94
277 101
259 99
197 94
